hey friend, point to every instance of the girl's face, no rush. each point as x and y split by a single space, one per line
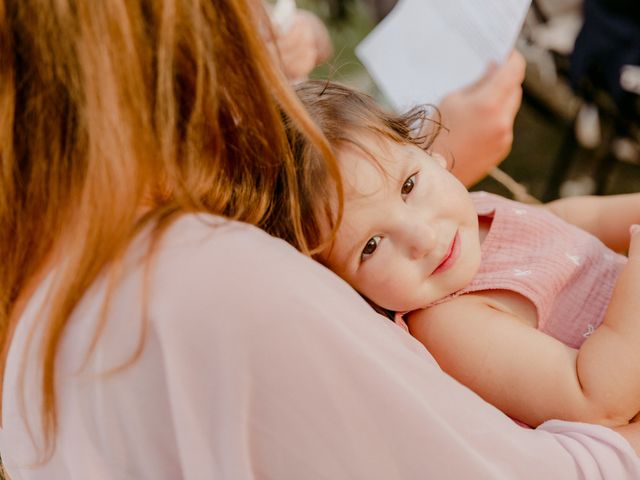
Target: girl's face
409 234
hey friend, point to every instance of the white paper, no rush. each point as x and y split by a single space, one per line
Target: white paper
283 15
425 49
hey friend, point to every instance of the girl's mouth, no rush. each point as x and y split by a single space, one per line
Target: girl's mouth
450 257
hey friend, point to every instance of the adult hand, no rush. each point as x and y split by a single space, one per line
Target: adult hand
303 46
480 120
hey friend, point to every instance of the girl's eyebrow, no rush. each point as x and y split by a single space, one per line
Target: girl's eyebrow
354 252
405 164
405 173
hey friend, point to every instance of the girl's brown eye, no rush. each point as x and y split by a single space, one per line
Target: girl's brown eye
408 185
370 247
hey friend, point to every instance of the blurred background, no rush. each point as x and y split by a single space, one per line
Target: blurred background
567 141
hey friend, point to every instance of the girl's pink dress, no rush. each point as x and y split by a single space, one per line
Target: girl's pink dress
567 273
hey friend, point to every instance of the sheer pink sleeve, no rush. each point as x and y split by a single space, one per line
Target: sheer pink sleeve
282 371
260 363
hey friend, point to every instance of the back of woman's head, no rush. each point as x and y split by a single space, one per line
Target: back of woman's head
119 113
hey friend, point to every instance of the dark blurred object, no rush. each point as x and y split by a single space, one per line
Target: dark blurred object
608 41
380 8
339 9
607 47
599 68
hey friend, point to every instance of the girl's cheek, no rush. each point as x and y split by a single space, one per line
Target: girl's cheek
384 281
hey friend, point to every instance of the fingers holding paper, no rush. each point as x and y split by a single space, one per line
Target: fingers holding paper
479 119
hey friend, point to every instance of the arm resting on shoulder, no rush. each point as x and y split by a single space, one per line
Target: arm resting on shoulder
528 374
297 377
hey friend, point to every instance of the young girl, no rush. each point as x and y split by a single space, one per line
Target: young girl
514 301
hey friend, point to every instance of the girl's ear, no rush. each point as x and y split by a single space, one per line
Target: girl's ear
441 160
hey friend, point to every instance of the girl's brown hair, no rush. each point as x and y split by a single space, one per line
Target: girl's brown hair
118 114
343 115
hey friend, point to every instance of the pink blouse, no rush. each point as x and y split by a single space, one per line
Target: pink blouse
261 364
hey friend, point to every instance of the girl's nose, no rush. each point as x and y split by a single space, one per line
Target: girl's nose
421 240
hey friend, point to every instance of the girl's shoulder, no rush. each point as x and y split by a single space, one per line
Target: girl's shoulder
459 307
454 314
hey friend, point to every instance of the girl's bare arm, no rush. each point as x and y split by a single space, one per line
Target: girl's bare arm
610 358
530 375
606 217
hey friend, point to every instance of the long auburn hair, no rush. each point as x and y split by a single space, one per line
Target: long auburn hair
118 114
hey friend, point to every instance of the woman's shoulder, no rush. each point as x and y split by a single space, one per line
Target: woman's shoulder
205 248
203 231
204 264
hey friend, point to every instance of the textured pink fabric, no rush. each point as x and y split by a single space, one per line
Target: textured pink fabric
259 363
567 273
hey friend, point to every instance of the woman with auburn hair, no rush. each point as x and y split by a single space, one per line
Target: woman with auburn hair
150 330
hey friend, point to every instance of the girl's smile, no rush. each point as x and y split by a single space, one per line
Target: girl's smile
451 256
